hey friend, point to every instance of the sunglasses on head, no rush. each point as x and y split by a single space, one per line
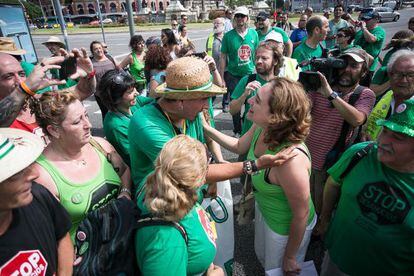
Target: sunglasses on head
120 77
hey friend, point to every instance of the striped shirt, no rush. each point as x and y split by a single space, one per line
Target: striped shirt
327 124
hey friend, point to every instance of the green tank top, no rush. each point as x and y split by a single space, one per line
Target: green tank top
137 69
80 198
271 198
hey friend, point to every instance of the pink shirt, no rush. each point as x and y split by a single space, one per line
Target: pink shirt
327 124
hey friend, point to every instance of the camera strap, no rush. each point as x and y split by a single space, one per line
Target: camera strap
340 144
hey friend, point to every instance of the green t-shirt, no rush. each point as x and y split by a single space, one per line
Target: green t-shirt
381 75
240 52
148 131
271 199
374 49
161 250
238 92
304 52
374 218
276 29
116 128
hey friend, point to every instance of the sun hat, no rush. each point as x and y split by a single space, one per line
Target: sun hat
402 120
359 55
369 15
262 15
275 36
54 39
18 149
241 10
8 46
188 78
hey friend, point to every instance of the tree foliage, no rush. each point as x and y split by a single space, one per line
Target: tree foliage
32 9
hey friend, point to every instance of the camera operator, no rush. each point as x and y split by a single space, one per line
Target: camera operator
371 38
332 108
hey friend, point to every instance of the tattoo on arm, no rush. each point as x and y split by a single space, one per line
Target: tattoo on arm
10 107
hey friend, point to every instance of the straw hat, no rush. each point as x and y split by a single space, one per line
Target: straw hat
8 46
188 78
56 40
18 149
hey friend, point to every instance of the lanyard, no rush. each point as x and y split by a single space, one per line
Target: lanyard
175 128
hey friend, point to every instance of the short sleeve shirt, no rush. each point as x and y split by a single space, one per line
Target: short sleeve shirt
374 49
327 123
304 52
276 29
240 52
298 35
374 217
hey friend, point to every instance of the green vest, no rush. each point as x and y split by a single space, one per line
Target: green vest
379 111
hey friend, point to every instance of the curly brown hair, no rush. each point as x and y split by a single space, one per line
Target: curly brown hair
51 108
290 110
157 57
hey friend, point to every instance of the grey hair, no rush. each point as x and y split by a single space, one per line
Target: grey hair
403 53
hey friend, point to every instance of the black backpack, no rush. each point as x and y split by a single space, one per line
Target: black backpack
104 241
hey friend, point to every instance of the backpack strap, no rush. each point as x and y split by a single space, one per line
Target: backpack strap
149 221
252 77
356 158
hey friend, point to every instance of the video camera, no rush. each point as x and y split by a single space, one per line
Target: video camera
328 66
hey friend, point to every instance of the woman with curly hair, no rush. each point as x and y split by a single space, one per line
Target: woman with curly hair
156 62
285 215
171 199
135 61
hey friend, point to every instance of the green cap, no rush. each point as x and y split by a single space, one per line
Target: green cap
402 120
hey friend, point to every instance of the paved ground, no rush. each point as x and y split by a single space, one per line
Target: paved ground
245 259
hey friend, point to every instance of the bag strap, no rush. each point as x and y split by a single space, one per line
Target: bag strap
150 221
98 146
340 143
356 158
252 77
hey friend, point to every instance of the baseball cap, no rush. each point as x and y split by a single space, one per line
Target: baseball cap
262 15
241 10
275 36
369 15
359 55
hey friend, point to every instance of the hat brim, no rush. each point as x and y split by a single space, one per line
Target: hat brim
61 44
396 127
27 148
354 56
168 93
15 52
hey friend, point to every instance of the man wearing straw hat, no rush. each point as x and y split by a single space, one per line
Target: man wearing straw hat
182 97
34 227
53 44
375 197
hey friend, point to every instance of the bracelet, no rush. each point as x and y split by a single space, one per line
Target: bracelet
91 75
125 190
23 86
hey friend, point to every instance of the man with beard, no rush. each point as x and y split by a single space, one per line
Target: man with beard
331 110
401 73
334 25
317 28
213 44
264 28
371 190
237 55
284 23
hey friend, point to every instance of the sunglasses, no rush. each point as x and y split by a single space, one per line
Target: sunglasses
340 35
240 15
174 24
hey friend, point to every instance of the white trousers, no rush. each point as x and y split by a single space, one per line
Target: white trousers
270 246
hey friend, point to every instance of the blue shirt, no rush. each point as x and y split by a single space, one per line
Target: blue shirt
298 35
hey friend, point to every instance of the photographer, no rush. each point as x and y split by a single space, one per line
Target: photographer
371 38
331 109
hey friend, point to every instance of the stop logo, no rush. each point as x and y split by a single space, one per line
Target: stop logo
25 263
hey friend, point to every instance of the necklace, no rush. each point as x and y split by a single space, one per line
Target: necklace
80 163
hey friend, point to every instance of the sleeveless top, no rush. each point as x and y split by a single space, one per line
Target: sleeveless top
81 198
137 69
271 198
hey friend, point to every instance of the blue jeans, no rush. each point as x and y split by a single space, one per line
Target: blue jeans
231 82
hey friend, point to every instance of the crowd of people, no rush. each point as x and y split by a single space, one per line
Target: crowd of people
332 162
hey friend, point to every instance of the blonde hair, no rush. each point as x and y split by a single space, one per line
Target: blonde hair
51 108
180 168
290 110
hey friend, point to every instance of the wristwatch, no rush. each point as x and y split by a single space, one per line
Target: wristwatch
250 167
333 96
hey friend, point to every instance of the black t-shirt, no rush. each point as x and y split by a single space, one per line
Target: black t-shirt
30 244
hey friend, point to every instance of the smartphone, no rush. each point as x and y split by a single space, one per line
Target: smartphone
200 55
67 68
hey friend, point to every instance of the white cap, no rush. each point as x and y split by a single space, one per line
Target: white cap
241 10
275 36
